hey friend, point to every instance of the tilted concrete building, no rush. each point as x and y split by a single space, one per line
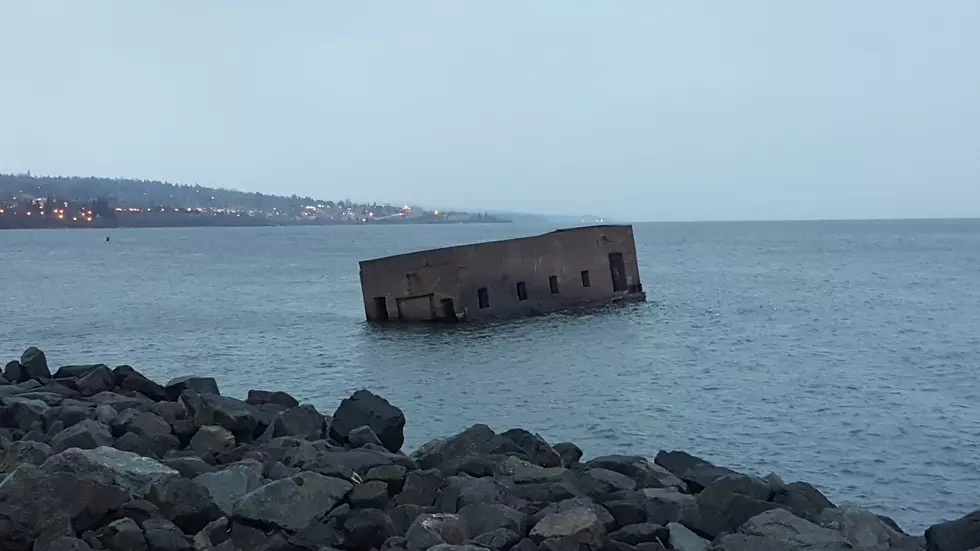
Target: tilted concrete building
504 279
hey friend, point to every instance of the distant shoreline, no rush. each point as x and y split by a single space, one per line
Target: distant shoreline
222 222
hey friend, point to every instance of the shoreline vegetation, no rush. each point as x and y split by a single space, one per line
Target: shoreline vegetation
93 457
28 201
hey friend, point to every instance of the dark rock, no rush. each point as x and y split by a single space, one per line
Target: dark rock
131 381
65 544
75 371
600 482
865 530
626 512
461 491
161 444
70 415
363 436
448 453
316 536
189 467
695 472
258 397
650 546
213 409
421 488
480 518
548 491
365 408
123 535
404 515
579 526
751 486
537 449
110 467
607 520
665 505
132 442
35 364
98 380
369 495
120 402
681 538
184 503
609 545
214 534
570 453
211 440
22 413
525 544
202 385
301 421
644 473
15 373
245 536
184 430
368 528
429 530
802 499
292 503
722 511
86 435
139 510
639 533
143 423
18 453
231 484
500 539
395 543
105 414
780 530
392 475
163 535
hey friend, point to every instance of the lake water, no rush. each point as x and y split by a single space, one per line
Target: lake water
845 354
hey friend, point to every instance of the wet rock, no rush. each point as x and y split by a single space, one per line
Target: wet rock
682 539
35 364
421 488
579 526
429 530
201 385
66 544
23 452
537 449
500 539
802 499
363 436
864 529
570 453
98 380
365 408
955 535
143 423
211 440
231 484
641 471
369 495
86 435
184 503
163 535
368 529
110 467
626 512
779 529
258 397
301 421
213 409
292 503
123 535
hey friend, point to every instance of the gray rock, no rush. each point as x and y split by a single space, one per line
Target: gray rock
132 442
71 415
75 371
579 525
211 440
184 503
607 520
626 512
448 453
110 467
447 547
570 453
120 402
292 503
461 491
550 492
780 530
392 475
105 414
596 483
33 453
163 535
429 530
500 539
189 467
486 517
143 423
525 544
665 505
363 436
956 535
301 421
15 373
525 472
368 528
694 471
720 510
23 413
802 499
213 409
365 408
634 534
682 539
404 515
123 535
66 544
231 484
643 472
369 495
864 529
98 380
318 535
86 435
35 363
536 448
135 382
202 385
258 397
421 488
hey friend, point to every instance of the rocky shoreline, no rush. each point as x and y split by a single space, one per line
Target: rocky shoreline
93 457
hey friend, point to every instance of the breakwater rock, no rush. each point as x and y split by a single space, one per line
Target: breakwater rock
100 458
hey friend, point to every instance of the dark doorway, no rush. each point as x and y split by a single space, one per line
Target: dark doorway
381 308
553 282
521 290
448 310
586 279
617 269
483 297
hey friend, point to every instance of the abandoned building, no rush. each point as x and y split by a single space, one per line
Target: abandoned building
504 279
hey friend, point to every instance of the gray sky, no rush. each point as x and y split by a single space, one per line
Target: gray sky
644 110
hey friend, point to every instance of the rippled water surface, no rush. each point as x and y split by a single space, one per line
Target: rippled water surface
845 354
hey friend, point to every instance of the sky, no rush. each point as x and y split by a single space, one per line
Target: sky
633 110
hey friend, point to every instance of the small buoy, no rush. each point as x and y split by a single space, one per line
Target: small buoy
107 239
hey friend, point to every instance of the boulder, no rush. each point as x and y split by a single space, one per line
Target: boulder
98 380
143 423
110 467
526 544
184 503
317 536
421 488
120 402
301 421
956 535
85 435
579 526
570 453
258 397
550 492
536 448
641 471
721 510
75 371
15 373
447 547
369 495
22 413
213 409
35 363
429 530
500 539
368 529
189 467
23 452
163 535
363 436
211 440
694 471
461 491
802 499
65 544
682 539
131 381
201 385
365 408
448 453
392 475
665 505
644 532
292 503
626 512
70 415
607 520
481 518
780 530
596 483
122 535
231 484
864 529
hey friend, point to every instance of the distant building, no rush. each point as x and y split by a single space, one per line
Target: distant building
504 279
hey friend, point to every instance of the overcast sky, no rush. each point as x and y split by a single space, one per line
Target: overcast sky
643 110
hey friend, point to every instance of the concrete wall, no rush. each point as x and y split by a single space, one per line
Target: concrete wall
421 281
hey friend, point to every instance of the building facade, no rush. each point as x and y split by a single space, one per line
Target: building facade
504 279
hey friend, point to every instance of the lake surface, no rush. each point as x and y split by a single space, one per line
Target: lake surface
845 354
